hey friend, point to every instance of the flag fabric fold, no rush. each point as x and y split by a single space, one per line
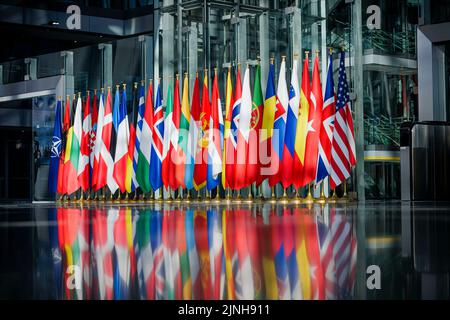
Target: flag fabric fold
55 151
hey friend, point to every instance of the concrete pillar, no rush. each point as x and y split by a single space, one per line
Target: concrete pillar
69 85
107 62
358 90
31 69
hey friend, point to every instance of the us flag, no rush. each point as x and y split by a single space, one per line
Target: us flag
343 149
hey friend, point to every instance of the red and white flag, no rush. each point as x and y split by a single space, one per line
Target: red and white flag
83 162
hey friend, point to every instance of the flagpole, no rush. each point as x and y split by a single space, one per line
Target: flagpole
322 199
309 198
345 197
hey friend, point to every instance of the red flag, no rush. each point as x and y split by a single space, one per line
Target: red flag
83 177
313 128
174 183
313 252
201 169
61 188
201 240
93 135
231 146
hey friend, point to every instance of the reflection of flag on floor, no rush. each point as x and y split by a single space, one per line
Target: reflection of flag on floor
194 266
281 268
254 249
181 243
302 256
215 240
84 169
244 276
146 276
315 264
228 233
268 264
158 254
291 256
157 144
327 259
201 241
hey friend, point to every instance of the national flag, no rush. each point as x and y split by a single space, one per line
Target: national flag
175 182
343 155
84 169
287 163
313 128
55 150
231 147
122 139
326 131
157 143
92 159
194 261
270 103
72 155
215 137
243 133
215 240
139 126
278 248
145 145
201 155
183 139
201 241
54 214
167 145
279 125
193 134
253 160
62 185
104 174
268 264
302 125
227 126
130 180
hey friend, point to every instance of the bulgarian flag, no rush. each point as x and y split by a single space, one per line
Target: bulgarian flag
72 154
228 95
183 137
145 146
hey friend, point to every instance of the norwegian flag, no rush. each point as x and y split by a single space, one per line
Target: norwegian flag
343 155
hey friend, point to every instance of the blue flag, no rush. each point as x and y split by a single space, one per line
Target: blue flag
55 151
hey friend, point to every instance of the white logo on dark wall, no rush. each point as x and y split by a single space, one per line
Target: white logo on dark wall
374 277
73 22
374 20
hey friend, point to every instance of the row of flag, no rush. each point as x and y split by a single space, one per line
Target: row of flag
295 136
124 253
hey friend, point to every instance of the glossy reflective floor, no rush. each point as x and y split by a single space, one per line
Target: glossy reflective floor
240 251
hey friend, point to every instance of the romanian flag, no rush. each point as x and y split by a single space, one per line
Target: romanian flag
302 124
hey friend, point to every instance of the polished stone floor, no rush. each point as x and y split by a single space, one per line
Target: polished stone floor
375 250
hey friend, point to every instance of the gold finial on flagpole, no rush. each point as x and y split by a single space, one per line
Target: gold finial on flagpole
283 57
124 85
142 82
88 92
177 76
109 89
331 51
95 91
59 98
307 54
117 86
135 85
102 89
79 94
215 70
317 52
151 80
